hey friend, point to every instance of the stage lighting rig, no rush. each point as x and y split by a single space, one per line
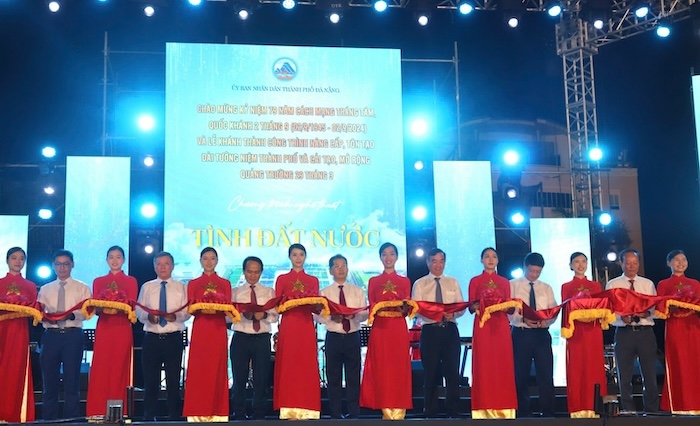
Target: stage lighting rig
465 7
244 8
380 5
553 8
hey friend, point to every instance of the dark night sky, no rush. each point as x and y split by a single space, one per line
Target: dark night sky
52 68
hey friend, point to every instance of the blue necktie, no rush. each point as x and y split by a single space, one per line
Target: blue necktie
163 304
533 302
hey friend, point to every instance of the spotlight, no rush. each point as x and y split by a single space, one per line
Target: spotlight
49 190
334 17
664 28
43 271
511 157
611 256
54 6
516 273
45 214
418 165
422 19
553 8
517 218
149 11
146 122
243 14
605 219
595 154
642 10
596 12
513 21
48 152
511 192
148 161
288 4
419 252
465 7
148 248
148 210
380 5
419 213
419 127
195 2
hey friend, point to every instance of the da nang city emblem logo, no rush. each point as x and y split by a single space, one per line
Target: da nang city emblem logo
284 69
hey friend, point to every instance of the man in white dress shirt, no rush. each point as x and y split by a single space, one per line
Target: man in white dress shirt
163 342
63 340
635 338
343 340
439 340
531 339
251 341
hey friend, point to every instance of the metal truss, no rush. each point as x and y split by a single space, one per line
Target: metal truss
577 42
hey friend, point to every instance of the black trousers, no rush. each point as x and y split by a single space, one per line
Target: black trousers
439 350
246 350
533 344
343 351
633 342
162 350
61 347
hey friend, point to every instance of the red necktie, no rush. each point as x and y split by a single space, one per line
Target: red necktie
254 301
631 284
341 299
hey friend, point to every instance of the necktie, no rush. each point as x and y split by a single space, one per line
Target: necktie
631 284
533 301
254 301
341 300
61 305
438 291
163 304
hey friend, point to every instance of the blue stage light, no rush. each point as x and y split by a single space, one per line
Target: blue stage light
664 29
418 165
419 127
642 11
149 210
465 7
288 4
380 5
45 214
54 6
516 273
605 219
419 252
195 2
148 161
511 157
554 9
595 154
517 218
334 17
43 271
149 11
146 122
48 152
419 213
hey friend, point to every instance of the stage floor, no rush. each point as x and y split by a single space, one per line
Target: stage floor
639 420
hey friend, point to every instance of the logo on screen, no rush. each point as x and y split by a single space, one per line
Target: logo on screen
284 69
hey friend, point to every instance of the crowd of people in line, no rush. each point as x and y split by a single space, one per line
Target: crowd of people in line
503 335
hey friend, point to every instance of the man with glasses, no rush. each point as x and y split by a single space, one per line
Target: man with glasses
343 340
63 340
162 343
